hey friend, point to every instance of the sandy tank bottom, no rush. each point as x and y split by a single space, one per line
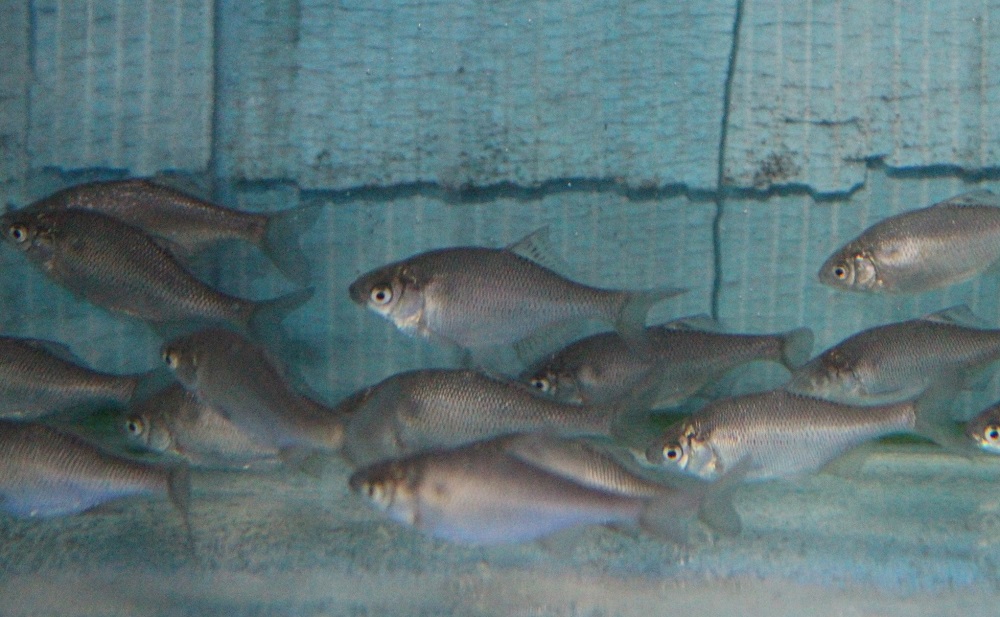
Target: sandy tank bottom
903 530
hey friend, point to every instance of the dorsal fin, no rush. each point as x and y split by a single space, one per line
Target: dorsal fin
958 315
972 198
535 246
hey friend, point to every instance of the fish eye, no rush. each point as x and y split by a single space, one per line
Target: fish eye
541 384
840 272
672 452
375 491
171 357
18 233
134 426
381 294
992 433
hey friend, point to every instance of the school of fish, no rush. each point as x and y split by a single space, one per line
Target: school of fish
465 454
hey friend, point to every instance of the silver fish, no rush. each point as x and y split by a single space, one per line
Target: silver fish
779 433
174 422
603 368
920 250
895 362
984 429
236 377
120 268
423 409
477 297
491 493
40 377
188 223
47 473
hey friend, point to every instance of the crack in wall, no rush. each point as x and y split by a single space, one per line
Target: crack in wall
720 183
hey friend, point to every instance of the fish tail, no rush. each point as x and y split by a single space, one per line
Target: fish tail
265 320
933 420
630 320
282 234
796 347
179 492
671 514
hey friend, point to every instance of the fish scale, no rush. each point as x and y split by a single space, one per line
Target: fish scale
477 297
187 224
35 382
778 432
235 375
522 487
581 462
920 250
434 408
44 472
116 266
160 210
174 421
524 293
480 494
897 361
604 367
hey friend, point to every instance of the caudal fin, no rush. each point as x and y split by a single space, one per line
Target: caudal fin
711 503
282 236
796 347
631 318
265 321
179 491
933 420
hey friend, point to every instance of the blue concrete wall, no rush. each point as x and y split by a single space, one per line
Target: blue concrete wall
439 123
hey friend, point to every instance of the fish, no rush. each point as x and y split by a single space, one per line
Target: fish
496 492
780 434
434 408
476 297
984 429
190 224
46 473
920 250
120 268
603 368
895 362
39 378
237 377
175 423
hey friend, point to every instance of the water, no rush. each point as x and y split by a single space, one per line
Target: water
421 126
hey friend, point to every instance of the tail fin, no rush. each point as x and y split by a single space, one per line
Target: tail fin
179 491
631 318
265 321
281 240
932 417
630 416
796 347
711 502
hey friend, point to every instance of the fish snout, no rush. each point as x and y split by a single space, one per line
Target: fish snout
358 293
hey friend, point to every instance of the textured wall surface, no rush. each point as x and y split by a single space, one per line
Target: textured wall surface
437 123
821 87
124 85
426 124
344 94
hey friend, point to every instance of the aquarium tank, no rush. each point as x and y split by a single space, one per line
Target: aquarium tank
705 159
